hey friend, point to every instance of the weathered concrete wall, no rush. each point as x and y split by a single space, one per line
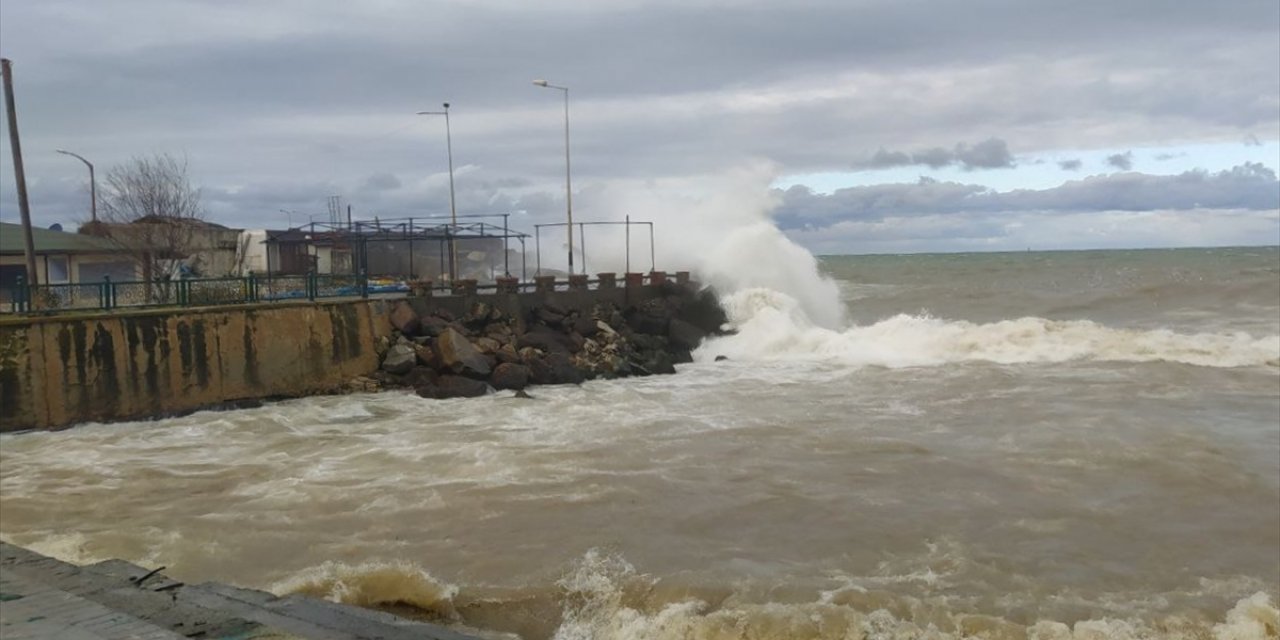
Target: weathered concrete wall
61 370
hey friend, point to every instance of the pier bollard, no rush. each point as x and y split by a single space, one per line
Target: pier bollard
544 284
508 285
465 287
657 278
682 278
608 280
634 280
578 282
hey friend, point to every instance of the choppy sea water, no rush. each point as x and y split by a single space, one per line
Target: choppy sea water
1044 445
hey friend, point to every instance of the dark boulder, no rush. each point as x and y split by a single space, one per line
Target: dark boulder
450 386
507 353
653 363
684 335
586 326
549 317
405 319
400 359
510 376
427 356
458 355
554 368
547 339
650 317
433 326
704 312
419 376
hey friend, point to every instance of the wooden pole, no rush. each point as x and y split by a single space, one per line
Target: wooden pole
19 175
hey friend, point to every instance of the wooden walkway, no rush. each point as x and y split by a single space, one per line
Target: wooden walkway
41 597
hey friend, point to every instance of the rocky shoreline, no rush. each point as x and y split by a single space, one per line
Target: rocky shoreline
443 355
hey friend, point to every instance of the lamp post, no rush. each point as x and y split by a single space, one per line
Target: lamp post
289 212
453 211
93 184
568 189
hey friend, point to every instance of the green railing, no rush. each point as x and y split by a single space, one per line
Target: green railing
109 294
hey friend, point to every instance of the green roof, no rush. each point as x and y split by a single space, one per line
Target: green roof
49 241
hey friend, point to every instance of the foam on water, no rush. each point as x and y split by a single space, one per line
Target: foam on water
603 597
773 326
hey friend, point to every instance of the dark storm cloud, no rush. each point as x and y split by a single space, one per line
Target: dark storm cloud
992 153
1246 187
1070 165
1123 161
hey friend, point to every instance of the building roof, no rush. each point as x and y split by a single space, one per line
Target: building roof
49 241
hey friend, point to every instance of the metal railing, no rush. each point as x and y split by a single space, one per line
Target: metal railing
109 294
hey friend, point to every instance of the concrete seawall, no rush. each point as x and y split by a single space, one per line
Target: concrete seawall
61 370
57 371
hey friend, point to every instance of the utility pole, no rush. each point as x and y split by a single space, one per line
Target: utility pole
6 69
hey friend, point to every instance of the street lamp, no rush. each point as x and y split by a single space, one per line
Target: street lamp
93 185
289 213
453 211
568 189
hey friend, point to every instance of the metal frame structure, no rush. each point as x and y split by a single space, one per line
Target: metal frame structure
358 234
582 241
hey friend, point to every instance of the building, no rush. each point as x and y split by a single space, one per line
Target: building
61 258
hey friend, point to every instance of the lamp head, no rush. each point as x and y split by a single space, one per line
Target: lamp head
540 83
446 105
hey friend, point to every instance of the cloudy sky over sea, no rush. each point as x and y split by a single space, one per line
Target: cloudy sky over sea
870 126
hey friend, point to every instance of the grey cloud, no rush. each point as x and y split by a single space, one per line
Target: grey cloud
382 182
1252 140
1250 186
992 153
1070 165
290 93
1123 161
1161 157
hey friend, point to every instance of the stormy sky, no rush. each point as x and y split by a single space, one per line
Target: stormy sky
865 126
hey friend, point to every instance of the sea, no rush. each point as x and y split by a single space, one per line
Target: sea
1043 445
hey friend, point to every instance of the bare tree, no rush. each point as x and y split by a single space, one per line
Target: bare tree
151 210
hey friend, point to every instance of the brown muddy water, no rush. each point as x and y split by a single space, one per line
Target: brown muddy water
1045 445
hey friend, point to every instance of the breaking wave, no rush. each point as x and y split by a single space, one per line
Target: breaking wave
603 597
375 585
772 326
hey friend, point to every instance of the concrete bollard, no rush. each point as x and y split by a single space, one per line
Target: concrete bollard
607 280
544 284
508 285
578 282
464 287
657 278
682 278
634 280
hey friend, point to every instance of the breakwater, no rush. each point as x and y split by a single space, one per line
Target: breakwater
61 370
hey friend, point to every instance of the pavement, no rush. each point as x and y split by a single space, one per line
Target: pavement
42 597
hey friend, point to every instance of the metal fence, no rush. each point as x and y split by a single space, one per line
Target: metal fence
109 294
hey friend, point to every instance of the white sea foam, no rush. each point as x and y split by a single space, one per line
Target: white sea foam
606 599
773 326
721 228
